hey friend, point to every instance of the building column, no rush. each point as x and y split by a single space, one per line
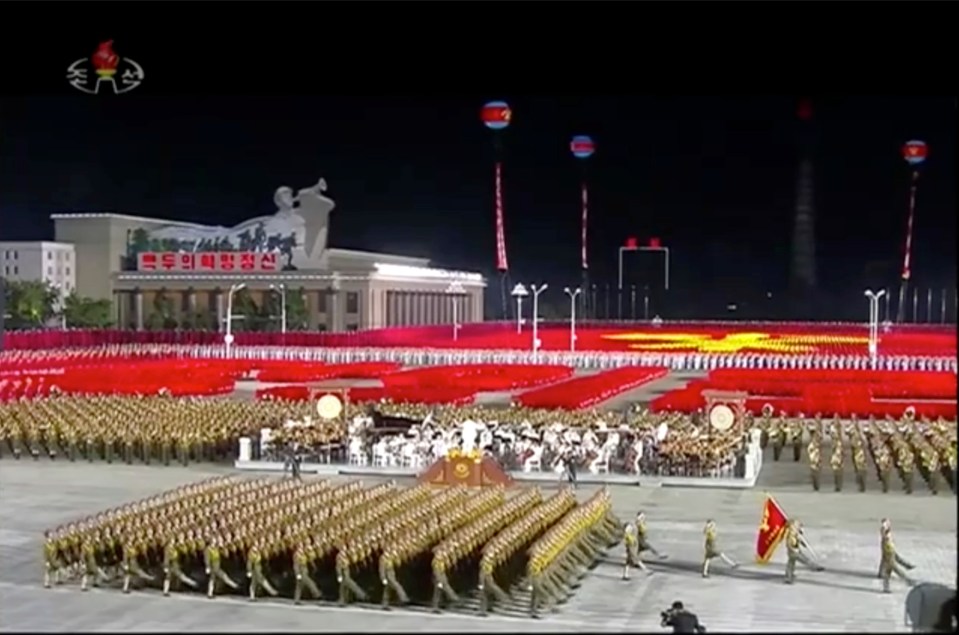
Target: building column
118 298
404 308
313 304
220 310
335 308
191 301
138 308
391 308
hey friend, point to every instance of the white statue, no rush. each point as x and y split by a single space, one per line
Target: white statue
302 219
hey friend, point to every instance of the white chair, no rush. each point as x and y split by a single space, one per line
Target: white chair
356 454
600 465
408 456
381 455
534 461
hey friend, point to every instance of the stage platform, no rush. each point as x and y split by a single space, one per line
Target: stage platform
530 478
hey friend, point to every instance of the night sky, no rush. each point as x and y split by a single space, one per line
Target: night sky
715 178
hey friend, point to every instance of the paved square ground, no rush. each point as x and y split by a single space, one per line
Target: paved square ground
842 527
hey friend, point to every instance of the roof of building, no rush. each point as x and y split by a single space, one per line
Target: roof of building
31 243
130 217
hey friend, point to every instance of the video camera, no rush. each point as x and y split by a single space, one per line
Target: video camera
680 620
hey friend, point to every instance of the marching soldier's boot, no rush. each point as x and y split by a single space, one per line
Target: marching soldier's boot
837 477
385 602
297 590
706 568
84 582
484 602
885 482
861 481
109 452
777 451
166 586
126 583
211 587
46 579
790 570
815 480
797 451
907 482
252 591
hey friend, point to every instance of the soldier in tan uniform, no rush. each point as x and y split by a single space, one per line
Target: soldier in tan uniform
890 560
859 463
711 548
777 436
836 458
794 551
814 450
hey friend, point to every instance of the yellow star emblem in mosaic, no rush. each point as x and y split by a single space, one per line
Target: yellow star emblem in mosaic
733 342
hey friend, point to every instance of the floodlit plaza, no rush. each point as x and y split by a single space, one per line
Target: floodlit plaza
842 528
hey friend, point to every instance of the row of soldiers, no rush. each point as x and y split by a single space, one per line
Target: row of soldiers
798 551
342 542
902 447
148 429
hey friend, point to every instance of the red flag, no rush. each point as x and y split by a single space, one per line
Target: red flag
772 529
654 243
632 243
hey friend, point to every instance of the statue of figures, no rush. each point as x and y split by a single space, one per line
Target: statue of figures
312 209
468 434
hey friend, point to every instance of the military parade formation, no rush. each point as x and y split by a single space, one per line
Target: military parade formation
896 447
384 545
168 430
340 542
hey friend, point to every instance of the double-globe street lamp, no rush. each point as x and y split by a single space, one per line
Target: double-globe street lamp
281 290
228 338
572 315
536 291
874 298
455 291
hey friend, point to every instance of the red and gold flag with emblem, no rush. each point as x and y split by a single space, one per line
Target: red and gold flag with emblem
772 529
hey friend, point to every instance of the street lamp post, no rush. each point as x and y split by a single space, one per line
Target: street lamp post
874 298
455 290
281 289
519 292
572 315
536 291
228 338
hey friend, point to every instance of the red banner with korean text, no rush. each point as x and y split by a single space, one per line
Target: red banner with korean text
772 529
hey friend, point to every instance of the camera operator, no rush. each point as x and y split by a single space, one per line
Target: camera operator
681 620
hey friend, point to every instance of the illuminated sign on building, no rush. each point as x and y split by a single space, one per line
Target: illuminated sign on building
211 261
